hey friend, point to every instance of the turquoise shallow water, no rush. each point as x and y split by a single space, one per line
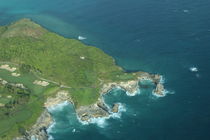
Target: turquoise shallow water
165 37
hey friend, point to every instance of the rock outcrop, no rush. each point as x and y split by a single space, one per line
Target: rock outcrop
115 108
159 90
132 86
99 109
129 86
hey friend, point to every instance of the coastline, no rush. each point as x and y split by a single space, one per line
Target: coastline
91 113
100 109
39 130
98 79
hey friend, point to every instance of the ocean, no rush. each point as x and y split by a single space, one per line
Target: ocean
167 37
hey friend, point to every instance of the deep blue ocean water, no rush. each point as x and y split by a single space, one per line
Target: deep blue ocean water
158 36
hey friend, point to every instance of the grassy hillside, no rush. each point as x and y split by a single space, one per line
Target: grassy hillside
20 106
36 53
66 61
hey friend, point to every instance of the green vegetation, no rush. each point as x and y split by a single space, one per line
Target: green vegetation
66 61
37 53
20 106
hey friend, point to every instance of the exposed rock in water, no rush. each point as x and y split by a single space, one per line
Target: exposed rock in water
103 106
115 108
132 86
159 90
129 86
99 109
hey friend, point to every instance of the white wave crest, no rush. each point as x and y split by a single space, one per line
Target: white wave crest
165 92
81 38
133 94
121 109
193 69
33 138
50 137
159 95
162 79
102 121
74 130
50 128
58 107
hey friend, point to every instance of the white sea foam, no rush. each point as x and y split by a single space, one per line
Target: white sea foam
81 38
58 107
50 137
165 92
102 121
162 79
33 138
133 94
121 109
74 130
158 95
193 69
50 128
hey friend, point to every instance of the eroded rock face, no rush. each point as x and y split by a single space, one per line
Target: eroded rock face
129 86
132 86
115 108
99 109
159 90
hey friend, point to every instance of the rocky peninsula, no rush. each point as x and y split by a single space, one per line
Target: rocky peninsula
100 109
96 110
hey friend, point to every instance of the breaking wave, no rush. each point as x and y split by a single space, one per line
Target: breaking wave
50 129
193 69
102 121
133 94
81 38
158 95
52 109
58 107
165 92
162 79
